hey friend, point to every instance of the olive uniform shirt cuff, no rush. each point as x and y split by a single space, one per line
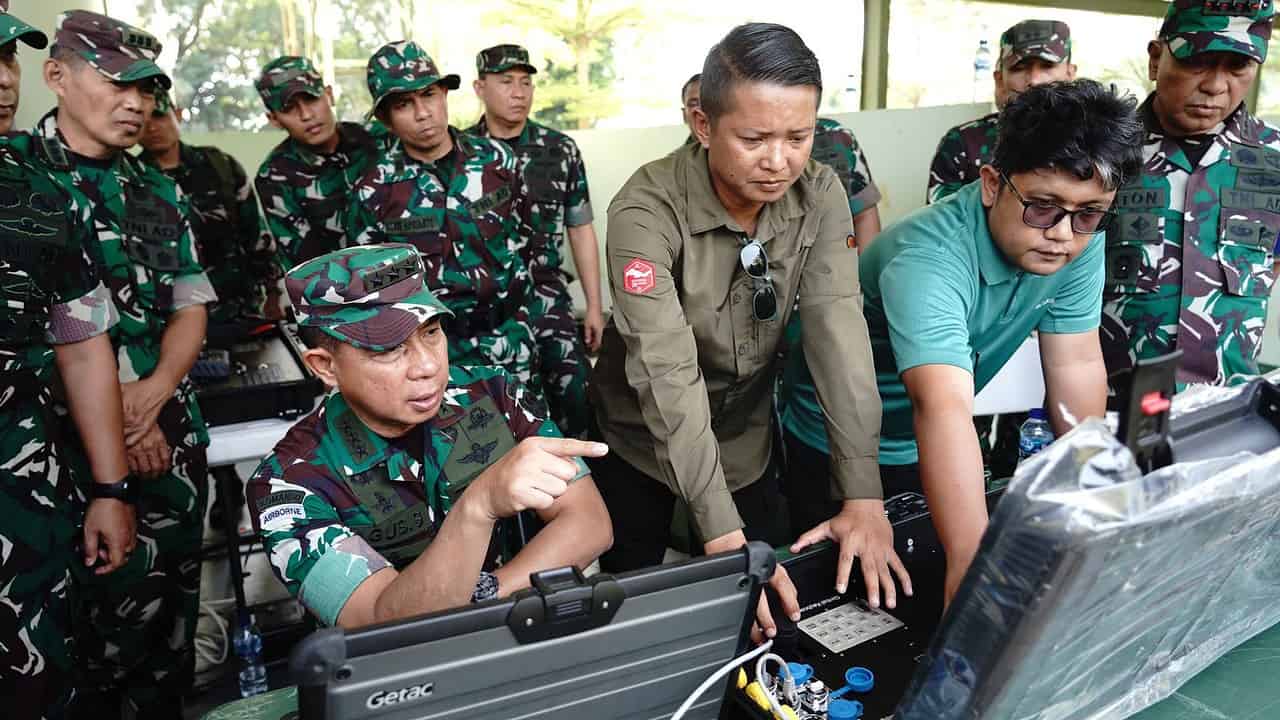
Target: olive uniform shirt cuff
858 477
715 514
578 215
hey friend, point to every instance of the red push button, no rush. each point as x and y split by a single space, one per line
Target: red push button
1154 403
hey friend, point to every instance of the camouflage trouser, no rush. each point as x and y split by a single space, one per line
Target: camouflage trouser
135 628
37 539
562 357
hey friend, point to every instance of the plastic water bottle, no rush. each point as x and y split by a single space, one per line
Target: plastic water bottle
253 674
1034 435
982 65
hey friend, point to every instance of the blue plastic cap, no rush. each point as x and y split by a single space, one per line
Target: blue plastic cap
859 679
800 672
844 710
1038 414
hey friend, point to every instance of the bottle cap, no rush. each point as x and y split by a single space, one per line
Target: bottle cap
1038 414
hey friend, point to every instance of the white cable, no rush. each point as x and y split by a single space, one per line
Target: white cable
207 646
724 670
774 705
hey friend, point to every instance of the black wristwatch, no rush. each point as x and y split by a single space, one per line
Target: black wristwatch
486 587
123 490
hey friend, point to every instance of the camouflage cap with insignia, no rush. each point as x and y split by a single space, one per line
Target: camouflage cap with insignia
403 67
285 77
501 58
1239 26
11 28
370 296
164 103
117 50
1049 40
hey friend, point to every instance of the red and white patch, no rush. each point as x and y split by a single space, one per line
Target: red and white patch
637 277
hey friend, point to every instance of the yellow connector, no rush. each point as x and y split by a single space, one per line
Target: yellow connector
742 678
756 693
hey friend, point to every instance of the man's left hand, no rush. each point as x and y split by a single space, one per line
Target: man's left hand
142 401
110 533
863 532
593 328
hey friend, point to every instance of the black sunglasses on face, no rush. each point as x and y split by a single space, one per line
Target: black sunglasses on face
764 301
1042 215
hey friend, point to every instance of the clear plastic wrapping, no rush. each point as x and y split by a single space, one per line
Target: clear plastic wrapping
1098 591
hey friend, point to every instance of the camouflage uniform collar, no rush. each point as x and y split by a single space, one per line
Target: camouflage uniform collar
706 212
57 154
366 448
406 166
525 137
350 138
1239 127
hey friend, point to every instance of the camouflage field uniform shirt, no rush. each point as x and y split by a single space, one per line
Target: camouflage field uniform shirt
305 194
1189 260
145 252
237 255
961 154
835 146
336 502
467 214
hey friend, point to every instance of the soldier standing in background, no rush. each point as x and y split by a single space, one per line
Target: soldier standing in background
1192 258
1033 52
237 256
135 633
556 178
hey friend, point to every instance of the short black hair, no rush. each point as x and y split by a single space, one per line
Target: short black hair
756 52
315 338
696 77
1078 126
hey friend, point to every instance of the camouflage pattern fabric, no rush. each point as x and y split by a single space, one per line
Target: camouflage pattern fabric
11 28
553 171
137 624
501 58
403 67
49 294
117 50
1049 40
285 77
335 502
835 146
1189 260
465 214
961 154
304 194
373 297
1239 26
237 256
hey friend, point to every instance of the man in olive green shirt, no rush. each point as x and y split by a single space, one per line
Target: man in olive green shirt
707 250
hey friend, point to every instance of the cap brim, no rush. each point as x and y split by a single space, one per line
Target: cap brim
11 28
1185 45
392 325
293 91
523 66
1038 52
453 82
137 70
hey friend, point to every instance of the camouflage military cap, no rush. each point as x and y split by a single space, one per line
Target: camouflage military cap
1239 26
285 77
117 50
11 28
501 58
164 103
1049 40
370 296
403 67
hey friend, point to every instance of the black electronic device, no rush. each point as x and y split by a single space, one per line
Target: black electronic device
251 372
629 646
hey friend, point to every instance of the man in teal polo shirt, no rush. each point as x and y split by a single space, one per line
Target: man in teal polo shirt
953 290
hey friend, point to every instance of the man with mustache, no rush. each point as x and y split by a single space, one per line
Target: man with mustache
556 178
1033 52
54 316
305 181
460 200
708 250
1192 260
139 623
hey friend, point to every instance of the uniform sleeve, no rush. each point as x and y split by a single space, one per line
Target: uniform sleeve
82 306
526 413
578 201
191 286
946 174
258 246
864 194
1077 307
837 347
662 365
319 559
926 308
284 221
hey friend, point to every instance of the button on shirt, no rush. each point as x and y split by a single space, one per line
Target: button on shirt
683 389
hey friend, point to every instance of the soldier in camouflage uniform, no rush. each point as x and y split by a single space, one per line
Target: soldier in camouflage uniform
387 500
556 178
835 146
53 309
137 626
237 256
304 183
1190 262
460 200
1031 53
690 100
